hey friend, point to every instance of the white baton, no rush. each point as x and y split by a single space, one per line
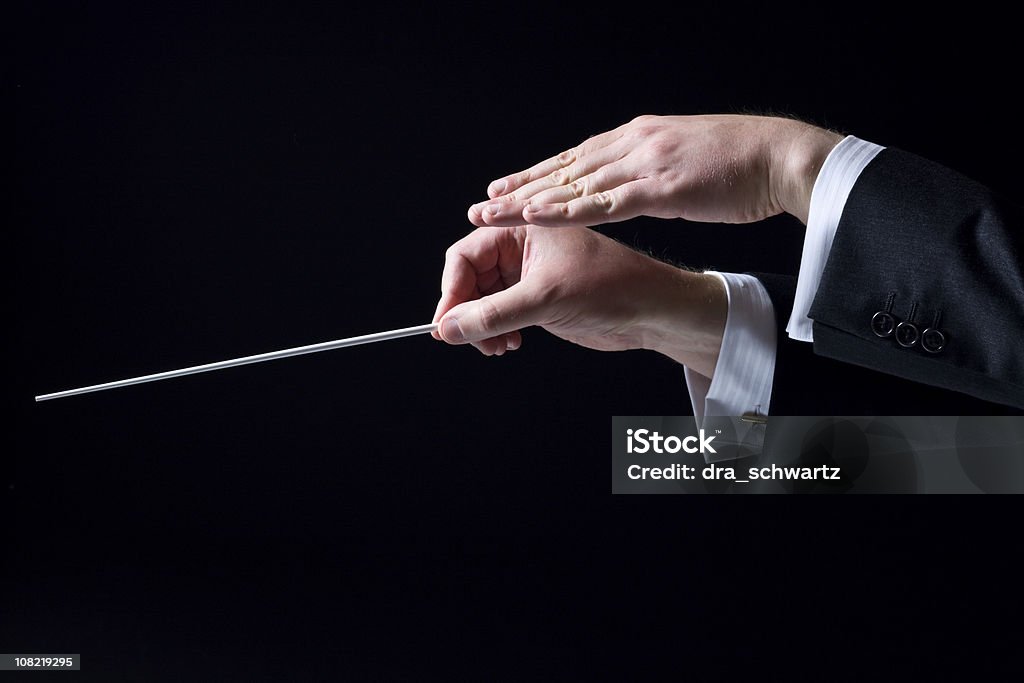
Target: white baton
246 360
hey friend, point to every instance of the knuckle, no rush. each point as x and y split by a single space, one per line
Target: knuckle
578 188
644 130
490 317
559 177
605 201
662 146
567 157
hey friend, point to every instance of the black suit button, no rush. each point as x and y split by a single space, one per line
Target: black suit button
907 334
883 324
932 340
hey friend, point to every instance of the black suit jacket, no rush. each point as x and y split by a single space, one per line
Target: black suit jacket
806 383
941 252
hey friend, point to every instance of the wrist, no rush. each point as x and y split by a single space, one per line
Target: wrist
796 156
687 318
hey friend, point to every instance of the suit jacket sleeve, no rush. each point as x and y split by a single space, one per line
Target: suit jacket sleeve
941 252
806 383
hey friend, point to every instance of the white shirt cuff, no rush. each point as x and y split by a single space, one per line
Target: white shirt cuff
832 188
742 384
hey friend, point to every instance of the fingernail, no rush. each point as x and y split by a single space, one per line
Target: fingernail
451 331
492 209
496 188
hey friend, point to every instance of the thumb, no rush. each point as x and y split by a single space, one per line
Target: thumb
491 316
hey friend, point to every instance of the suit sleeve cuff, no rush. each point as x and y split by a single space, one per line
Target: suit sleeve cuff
832 187
742 384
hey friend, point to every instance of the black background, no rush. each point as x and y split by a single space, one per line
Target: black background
192 183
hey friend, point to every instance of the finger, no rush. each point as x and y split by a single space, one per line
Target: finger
482 251
458 284
510 183
465 285
500 345
507 209
459 278
510 341
605 178
477 264
496 346
610 206
492 317
479 259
